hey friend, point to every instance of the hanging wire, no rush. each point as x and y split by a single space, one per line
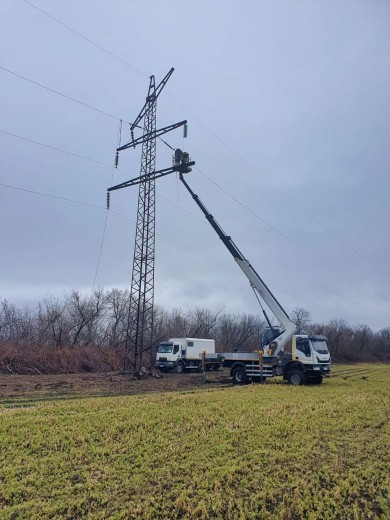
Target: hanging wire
118 145
108 207
120 133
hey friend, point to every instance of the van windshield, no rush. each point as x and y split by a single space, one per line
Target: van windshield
165 348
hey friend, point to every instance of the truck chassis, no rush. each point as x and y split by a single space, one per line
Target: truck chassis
247 366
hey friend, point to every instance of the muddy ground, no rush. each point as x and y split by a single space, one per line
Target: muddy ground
21 388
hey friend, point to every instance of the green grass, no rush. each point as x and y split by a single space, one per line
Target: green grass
259 451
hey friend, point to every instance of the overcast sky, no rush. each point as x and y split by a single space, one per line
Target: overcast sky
292 120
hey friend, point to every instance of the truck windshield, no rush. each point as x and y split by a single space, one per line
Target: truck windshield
165 348
320 346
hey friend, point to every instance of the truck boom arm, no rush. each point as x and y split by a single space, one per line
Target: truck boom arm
254 279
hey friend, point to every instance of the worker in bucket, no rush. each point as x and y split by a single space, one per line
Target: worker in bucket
182 159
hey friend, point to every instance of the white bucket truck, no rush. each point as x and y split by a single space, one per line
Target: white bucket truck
308 360
180 354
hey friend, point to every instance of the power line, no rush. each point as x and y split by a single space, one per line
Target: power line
275 262
244 161
99 162
225 191
159 234
290 239
45 145
56 149
74 100
35 192
50 196
100 251
87 39
216 184
62 94
215 135
106 219
133 221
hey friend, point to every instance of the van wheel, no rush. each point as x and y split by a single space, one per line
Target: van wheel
180 367
239 376
296 377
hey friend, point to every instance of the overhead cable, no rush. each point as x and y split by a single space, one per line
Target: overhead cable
35 192
61 94
86 39
221 188
107 209
239 157
312 255
270 259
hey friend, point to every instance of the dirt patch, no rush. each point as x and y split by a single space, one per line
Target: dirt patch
46 387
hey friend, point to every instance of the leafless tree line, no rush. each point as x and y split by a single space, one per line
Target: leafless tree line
79 332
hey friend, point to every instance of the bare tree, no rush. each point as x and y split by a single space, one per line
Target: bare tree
87 332
239 332
202 322
302 319
362 336
51 322
117 302
338 334
85 312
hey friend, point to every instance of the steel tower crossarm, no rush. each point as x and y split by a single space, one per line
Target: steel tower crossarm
151 176
146 137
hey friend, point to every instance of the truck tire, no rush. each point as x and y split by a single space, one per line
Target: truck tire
180 367
239 376
296 377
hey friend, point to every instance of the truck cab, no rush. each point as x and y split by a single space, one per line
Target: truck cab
310 353
168 353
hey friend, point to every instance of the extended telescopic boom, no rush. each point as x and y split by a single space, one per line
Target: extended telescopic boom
255 281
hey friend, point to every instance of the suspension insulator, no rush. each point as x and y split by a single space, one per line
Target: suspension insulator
132 136
108 200
116 159
185 130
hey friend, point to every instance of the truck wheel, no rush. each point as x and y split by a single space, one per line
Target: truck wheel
296 377
180 367
239 376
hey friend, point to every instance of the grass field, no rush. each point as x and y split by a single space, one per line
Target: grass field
259 451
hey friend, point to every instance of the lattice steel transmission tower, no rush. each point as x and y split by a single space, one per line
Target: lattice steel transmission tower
139 335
